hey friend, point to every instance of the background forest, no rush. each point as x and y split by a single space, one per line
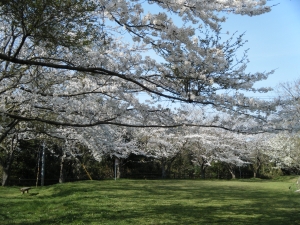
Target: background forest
27 165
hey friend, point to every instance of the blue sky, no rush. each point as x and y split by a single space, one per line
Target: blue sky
273 40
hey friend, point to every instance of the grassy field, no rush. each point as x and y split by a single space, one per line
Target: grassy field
154 202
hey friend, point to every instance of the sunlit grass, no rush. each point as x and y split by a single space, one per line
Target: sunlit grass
153 202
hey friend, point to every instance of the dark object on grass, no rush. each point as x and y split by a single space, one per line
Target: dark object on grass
23 189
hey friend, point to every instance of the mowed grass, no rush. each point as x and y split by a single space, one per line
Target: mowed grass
154 202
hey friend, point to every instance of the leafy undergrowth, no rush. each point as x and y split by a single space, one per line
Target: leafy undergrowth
153 202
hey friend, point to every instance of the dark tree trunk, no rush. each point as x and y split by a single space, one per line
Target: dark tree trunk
5 176
163 168
9 128
7 165
256 167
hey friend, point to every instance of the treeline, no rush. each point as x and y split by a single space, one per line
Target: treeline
28 164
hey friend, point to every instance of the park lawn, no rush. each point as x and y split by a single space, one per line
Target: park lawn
154 202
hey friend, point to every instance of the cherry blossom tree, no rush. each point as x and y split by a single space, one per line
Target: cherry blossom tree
258 146
161 144
77 70
285 151
214 145
84 63
202 156
100 140
207 145
288 112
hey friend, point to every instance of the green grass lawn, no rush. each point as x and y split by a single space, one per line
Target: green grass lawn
154 202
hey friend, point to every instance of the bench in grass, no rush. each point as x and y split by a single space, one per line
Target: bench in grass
23 189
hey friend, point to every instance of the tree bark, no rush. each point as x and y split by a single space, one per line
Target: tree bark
5 176
232 175
203 170
163 168
231 170
118 171
8 129
256 167
7 166
62 171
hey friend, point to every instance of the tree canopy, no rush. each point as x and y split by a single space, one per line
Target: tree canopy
84 63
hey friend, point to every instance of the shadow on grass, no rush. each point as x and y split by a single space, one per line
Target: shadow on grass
161 203
33 194
177 214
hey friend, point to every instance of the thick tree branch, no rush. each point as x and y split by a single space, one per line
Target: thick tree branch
97 70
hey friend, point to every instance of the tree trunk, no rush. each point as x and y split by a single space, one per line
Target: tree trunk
62 170
254 174
163 169
202 171
7 167
117 168
231 170
5 176
43 166
256 167
232 175
255 171
120 169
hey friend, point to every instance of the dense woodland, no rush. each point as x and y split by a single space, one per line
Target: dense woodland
27 164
